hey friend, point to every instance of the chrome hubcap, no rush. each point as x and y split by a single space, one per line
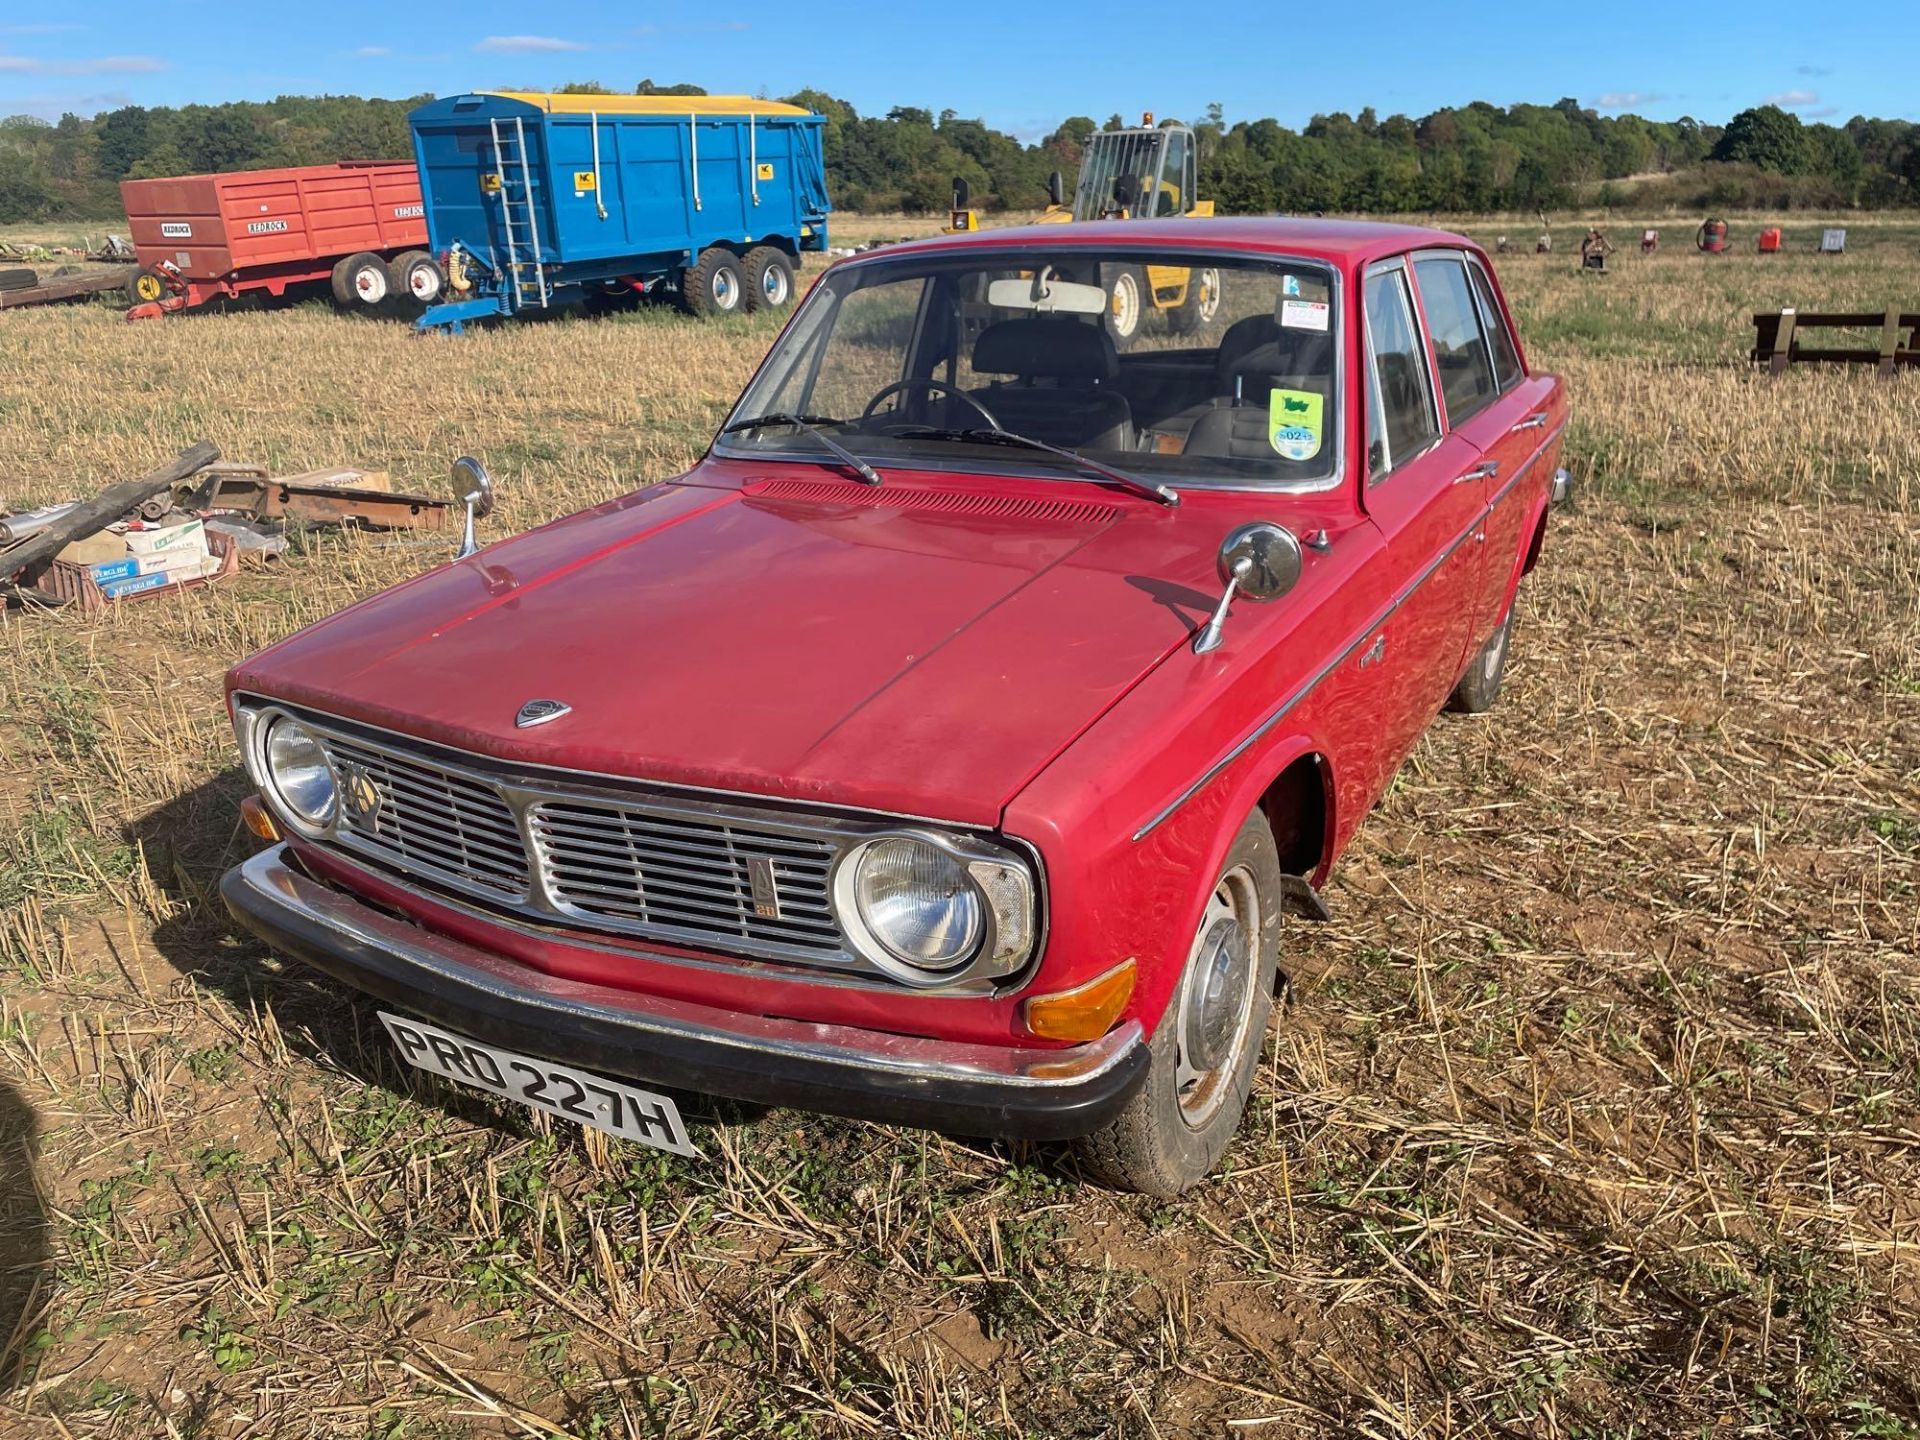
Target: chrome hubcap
1216 998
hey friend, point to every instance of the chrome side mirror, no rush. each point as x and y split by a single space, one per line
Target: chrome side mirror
474 488
1261 561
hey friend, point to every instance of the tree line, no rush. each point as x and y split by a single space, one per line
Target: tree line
1476 157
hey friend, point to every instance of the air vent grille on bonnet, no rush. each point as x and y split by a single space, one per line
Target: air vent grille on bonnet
948 502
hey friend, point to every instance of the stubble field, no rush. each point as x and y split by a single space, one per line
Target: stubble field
1598 1116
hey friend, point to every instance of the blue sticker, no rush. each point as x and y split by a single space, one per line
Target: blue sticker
1289 284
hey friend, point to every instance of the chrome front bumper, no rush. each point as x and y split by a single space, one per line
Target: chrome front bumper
970 1089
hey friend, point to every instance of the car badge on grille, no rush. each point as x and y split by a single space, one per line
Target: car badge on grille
359 794
539 712
766 894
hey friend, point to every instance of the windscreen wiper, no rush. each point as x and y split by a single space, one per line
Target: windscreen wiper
1135 484
811 424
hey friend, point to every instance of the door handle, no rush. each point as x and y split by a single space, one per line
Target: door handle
1485 470
1532 422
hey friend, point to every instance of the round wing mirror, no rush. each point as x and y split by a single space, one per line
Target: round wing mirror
473 486
1262 560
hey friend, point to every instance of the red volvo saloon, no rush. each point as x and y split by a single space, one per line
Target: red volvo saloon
948 744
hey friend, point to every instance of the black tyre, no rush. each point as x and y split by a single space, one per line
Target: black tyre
714 286
361 279
145 286
1207 1045
1479 687
769 279
1128 300
416 275
1201 304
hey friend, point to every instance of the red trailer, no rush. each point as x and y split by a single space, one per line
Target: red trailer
359 225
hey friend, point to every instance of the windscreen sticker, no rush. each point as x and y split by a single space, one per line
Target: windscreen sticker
1304 314
1293 423
1289 284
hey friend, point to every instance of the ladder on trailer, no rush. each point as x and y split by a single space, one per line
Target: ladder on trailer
529 227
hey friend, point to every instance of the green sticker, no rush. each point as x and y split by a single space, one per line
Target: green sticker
1293 423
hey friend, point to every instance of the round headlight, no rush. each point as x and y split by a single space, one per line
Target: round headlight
918 902
303 780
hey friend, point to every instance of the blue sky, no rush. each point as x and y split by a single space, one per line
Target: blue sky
996 59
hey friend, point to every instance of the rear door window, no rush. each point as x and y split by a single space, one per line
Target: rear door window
1460 351
1401 421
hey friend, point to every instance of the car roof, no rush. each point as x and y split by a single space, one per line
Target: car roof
1351 241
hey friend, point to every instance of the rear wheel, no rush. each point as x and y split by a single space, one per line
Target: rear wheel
714 286
769 279
416 275
1201 304
361 279
1479 687
145 287
1206 1047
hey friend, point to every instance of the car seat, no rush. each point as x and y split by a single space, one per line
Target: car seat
1061 367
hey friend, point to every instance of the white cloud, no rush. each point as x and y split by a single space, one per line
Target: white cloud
40 29
525 45
1824 112
1794 99
52 107
371 52
1813 70
95 65
1626 99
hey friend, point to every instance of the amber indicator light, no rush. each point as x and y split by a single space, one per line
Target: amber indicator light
1085 1012
254 813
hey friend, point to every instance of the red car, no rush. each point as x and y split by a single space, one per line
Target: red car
947 744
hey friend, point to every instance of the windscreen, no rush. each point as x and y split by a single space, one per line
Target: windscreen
1181 369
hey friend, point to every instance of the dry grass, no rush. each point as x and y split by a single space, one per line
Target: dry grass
1601 1116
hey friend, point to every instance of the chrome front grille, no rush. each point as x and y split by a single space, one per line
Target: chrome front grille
426 817
677 875
705 874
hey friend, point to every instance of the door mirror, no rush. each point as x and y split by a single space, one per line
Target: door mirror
1054 188
1261 561
962 192
473 487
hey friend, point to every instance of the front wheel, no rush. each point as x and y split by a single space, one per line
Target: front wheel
714 286
769 279
1206 1047
1126 305
146 287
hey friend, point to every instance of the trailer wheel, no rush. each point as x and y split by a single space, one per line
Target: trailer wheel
769 279
714 286
360 280
416 275
145 287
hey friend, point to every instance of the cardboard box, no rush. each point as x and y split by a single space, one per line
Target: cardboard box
106 546
189 534
183 557
345 477
159 579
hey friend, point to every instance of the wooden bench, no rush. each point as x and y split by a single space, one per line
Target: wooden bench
1779 340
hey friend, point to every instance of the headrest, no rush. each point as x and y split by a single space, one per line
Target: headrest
1053 346
1290 352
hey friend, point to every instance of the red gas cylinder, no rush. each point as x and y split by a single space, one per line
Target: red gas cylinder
1770 240
1712 237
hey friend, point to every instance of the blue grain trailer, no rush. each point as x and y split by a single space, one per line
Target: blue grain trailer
535 201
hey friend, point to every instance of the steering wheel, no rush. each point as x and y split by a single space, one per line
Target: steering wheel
938 387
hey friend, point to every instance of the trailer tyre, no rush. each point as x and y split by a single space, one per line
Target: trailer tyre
1128 300
769 279
714 286
416 275
361 280
145 287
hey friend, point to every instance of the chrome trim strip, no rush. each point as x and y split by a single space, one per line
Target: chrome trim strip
1254 736
469 967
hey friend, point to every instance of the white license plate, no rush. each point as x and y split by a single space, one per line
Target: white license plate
559 1090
